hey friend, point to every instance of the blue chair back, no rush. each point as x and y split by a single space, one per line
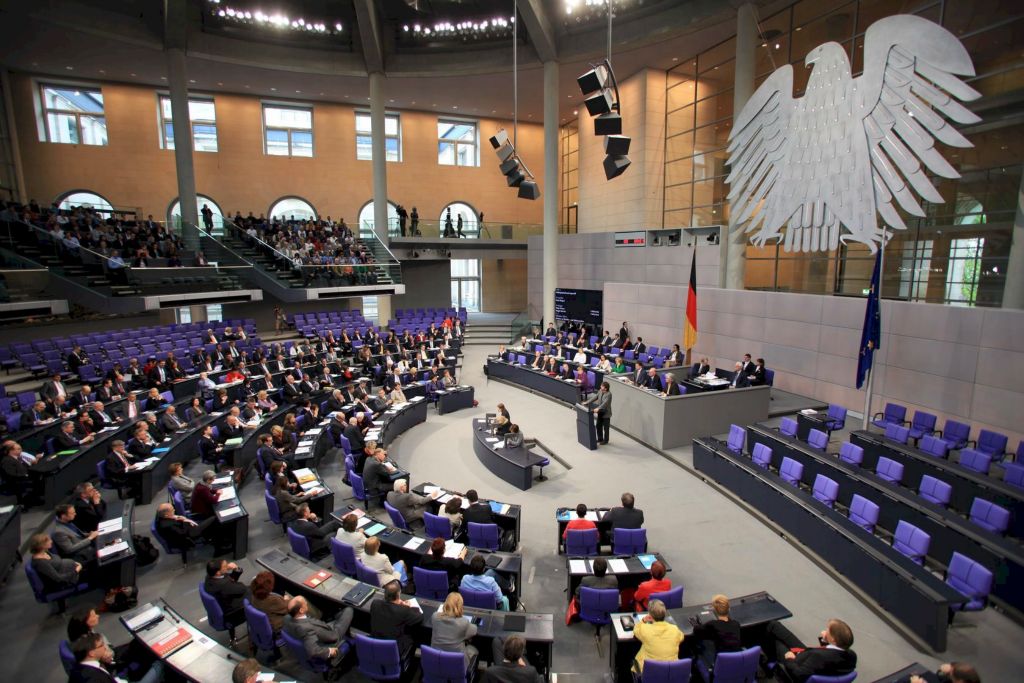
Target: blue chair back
975 460
933 445
817 439
761 455
367 575
791 471
990 516
737 437
846 678
438 525
486 536
101 472
851 453
161 540
474 598
67 657
863 513
836 417
788 426
769 377
826 490
889 469
911 541
893 414
299 544
923 423
214 612
673 598
440 666
272 508
992 444
581 542
629 541
935 490
971 579
1014 473
379 659
344 557
897 433
396 517
358 491
430 584
676 671
178 501
956 434
261 634
736 667
298 650
597 604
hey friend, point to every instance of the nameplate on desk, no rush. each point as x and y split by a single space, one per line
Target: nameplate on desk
111 549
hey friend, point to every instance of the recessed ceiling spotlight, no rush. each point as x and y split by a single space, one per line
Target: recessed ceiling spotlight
246 86
675 59
298 92
219 83
132 74
164 78
273 89
71 68
102 71
191 80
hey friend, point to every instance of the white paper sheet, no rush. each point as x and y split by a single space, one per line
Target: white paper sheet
617 566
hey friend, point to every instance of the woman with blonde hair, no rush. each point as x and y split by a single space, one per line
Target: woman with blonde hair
659 640
451 632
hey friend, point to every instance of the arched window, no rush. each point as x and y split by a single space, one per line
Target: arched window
288 208
470 228
174 213
366 219
91 200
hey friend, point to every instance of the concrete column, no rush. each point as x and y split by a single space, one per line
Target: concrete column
734 245
177 79
199 313
380 168
384 310
12 137
550 251
1013 290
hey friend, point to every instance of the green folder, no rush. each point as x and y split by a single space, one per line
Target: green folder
68 452
237 441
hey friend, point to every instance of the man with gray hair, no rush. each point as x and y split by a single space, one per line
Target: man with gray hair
739 377
671 385
410 505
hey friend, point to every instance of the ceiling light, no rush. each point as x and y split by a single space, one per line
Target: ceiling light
70 68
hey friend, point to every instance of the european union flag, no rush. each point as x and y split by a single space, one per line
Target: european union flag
871 336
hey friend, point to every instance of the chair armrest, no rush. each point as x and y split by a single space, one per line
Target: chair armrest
877 415
973 442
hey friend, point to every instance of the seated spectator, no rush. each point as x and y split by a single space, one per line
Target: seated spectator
94 657
180 532
659 640
656 584
351 534
798 662
316 531
451 633
720 634
394 618
949 672
222 584
600 579
321 639
435 560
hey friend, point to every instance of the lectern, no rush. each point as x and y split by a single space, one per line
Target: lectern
586 426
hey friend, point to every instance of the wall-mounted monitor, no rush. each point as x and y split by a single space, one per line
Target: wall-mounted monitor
580 305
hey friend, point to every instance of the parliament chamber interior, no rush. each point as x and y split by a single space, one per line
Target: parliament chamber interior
307 357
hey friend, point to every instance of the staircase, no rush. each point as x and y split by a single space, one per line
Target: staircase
489 329
86 275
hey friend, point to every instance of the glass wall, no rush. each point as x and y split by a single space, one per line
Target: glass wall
569 148
958 252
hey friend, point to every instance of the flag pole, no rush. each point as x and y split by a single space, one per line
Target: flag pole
871 371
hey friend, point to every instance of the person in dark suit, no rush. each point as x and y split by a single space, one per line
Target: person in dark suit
948 672
105 392
701 368
208 447
52 388
477 512
321 639
602 403
118 461
395 619
833 658
739 377
355 436
80 398
158 377
721 634
377 475
66 439
222 584
76 359
231 429
335 403
651 380
170 422
757 378
100 417
94 659
435 561
291 391
623 334
179 532
90 508
34 416
626 517
153 401
640 346
72 542
676 357
317 531
671 385
510 664
141 444
748 365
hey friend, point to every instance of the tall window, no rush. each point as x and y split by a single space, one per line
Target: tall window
914 268
470 223
466 283
288 131
392 137
290 208
569 143
73 115
174 215
366 219
963 271
457 143
203 116
84 198
370 311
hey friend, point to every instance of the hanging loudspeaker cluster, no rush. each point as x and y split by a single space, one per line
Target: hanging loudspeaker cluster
515 171
602 101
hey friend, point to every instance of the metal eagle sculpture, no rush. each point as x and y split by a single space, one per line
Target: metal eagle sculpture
826 165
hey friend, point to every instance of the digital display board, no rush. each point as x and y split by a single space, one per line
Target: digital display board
580 305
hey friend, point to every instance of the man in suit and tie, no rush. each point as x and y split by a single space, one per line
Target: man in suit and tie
90 508
222 584
626 517
701 368
833 658
52 388
81 397
292 392
651 380
231 429
638 376
377 474
316 531
100 417
320 639
158 377
335 403
747 365
95 659
410 505
34 416
66 439
602 402
640 346
76 359
131 408
395 619
739 377
72 542
180 532
170 422
105 392
118 461
355 436
757 377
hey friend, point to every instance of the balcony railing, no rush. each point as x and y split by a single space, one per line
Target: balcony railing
470 230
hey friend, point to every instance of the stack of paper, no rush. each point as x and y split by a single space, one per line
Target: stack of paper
112 548
617 566
219 481
429 490
231 511
314 431
578 567
110 526
228 493
413 543
453 549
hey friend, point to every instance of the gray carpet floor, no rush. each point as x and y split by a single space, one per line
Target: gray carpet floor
712 544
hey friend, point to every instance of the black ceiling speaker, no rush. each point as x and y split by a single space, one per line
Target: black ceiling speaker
528 189
516 177
614 166
608 124
593 80
509 165
616 145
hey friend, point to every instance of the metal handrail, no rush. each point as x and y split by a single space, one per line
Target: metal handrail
203 233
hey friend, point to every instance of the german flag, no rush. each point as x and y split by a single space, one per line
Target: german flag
690 333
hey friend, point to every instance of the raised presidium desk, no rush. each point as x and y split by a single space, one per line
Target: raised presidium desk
949 531
566 390
399 544
329 594
506 515
456 398
514 465
967 484
909 592
753 612
671 421
191 653
630 570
